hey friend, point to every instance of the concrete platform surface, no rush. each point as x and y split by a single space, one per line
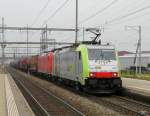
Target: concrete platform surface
141 86
3 106
12 102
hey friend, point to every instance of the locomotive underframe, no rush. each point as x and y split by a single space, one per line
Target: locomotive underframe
103 85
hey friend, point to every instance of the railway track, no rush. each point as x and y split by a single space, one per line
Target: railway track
119 104
43 102
123 105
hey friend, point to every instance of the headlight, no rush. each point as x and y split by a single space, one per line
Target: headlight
115 74
92 74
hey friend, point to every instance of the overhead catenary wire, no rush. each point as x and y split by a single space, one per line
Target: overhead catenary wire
98 12
101 10
56 11
39 14
137 5
127 15
128 6
41 11
132 18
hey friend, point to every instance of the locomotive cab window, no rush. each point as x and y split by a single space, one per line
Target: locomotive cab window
101 54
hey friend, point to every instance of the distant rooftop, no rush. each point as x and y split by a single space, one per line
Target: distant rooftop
145 52
131 54
122 53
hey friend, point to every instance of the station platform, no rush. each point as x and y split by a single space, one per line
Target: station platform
12 102
137 86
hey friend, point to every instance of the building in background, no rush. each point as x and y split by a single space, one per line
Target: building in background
127 59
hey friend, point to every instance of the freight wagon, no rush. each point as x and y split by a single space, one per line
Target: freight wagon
33 64
45 63
23 63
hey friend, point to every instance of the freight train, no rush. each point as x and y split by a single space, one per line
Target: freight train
89 67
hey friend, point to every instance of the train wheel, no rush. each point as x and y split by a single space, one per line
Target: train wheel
120 91
59 81
78 86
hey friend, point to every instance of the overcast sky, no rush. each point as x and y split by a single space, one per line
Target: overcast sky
113 15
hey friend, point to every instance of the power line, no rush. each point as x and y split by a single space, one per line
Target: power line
137 5
129 14
132 18
109 5
41 11
54 12
125 16
128 6
98 12
57 10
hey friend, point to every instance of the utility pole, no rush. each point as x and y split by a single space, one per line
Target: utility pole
46 37
27 49
83 33
46 32
27 43
138 50
135 62
3 40
15 51
76 29
54 44
41 40
27 40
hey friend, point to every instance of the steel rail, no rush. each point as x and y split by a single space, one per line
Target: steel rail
62 101
35 100
133 112
57 98
121 107
118 108
133 101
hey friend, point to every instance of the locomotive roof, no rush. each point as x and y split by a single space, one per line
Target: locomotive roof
100 46
87 44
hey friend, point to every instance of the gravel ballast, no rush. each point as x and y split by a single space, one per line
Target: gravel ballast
85 105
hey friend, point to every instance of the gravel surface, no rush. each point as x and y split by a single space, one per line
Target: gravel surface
24 108
88 107
51 105
130 104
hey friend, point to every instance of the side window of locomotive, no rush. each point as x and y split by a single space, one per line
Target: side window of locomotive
79 55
